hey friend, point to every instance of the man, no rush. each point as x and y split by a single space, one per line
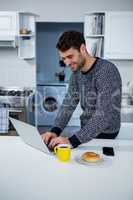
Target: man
96 84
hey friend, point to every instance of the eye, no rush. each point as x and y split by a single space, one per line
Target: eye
67 57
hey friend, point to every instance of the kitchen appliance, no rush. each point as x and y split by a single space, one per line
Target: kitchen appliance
49 99
15 99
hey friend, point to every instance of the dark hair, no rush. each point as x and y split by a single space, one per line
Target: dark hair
70 39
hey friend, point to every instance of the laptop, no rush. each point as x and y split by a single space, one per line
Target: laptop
30 135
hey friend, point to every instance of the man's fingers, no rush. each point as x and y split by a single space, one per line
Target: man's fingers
58 140
53 143
46 138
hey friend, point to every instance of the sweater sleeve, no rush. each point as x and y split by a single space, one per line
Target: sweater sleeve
108 103
68 106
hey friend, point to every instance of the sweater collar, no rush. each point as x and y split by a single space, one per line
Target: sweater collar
93 65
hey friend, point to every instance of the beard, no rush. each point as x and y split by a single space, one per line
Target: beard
80 64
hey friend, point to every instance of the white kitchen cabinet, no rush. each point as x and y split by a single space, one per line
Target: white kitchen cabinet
8 23
17 29
118 35
8 28
115 38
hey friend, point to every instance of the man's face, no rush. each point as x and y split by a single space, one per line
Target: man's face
73 58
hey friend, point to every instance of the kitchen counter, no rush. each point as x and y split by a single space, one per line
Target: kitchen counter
53 83
27 173
9 133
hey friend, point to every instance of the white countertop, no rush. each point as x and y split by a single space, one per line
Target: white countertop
29 174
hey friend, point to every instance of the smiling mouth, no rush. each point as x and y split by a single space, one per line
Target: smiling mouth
73 65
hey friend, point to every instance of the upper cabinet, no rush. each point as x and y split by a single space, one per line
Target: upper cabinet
116 36
119 35
17 29
8 28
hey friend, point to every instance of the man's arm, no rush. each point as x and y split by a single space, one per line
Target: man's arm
68 106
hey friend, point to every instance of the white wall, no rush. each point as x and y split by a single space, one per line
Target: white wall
19 72
64 10
126 70
14 71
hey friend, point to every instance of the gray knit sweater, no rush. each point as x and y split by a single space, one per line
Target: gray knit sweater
99 93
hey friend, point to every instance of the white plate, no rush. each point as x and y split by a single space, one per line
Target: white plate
80 160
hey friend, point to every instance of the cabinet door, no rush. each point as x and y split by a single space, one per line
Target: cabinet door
118 35
8 23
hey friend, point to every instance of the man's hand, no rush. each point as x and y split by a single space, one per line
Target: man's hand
58 140
48 136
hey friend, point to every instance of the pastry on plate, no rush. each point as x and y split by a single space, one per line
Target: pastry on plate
91 156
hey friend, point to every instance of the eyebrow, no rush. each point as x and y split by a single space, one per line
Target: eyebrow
67 56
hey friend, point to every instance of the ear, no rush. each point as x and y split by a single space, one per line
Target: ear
83 48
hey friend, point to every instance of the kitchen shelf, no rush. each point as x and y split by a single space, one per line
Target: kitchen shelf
109 34
94 33
94 36
26 35
17 29
26 22
26 41
26 48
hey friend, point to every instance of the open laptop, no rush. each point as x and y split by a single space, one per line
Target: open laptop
30 135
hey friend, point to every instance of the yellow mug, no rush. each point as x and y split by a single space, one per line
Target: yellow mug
63 152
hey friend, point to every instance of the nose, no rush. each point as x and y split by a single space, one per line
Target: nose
67 61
